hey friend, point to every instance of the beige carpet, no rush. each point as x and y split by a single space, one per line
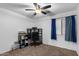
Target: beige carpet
41 50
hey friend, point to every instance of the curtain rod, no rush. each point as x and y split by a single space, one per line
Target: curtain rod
63 17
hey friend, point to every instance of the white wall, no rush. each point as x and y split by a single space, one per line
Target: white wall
45 23
10 24
77 30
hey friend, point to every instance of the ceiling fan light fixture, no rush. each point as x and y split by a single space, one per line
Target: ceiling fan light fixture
38 11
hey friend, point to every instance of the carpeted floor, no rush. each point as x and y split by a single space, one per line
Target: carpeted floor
41 50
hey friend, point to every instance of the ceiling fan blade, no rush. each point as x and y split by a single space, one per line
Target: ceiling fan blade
46 7
44 12
34 14
29 9
36 6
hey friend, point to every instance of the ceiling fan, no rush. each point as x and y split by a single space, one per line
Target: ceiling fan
38 9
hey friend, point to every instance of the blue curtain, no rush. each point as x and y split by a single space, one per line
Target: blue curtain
53 29
70 31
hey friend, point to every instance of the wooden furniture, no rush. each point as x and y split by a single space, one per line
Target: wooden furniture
34 35
22 39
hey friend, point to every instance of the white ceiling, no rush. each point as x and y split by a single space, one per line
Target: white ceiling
55 9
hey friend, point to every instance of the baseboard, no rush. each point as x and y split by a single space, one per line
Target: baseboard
5 51
60 47
77 52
